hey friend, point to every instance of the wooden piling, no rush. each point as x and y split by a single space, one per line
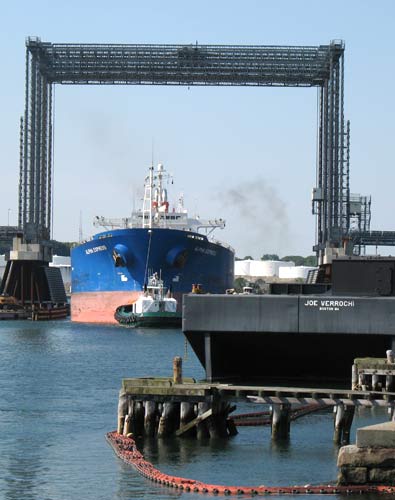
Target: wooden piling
187 414
389 383
127 427
121 423
376 386
201 428
203 408
349 413
232 429
342 423
138 419
338 423
150 418
354 378
389 379
362 382
122 411
170 417
177 370
193 423
280 415
169 420
216 424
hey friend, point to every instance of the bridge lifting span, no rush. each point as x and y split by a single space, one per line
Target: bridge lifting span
204 65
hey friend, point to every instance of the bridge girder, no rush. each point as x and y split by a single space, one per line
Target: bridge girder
203 65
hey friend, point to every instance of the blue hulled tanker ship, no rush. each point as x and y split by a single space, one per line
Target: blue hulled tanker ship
113 267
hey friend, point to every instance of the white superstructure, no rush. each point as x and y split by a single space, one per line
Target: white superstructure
154 300
156 211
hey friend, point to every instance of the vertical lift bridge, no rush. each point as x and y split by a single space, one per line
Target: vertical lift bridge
48 64
204 65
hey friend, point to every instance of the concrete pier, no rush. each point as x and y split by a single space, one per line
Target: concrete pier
372 459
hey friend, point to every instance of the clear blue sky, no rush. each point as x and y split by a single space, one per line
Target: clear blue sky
214 140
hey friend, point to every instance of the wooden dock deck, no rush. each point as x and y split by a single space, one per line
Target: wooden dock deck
176 405
165 390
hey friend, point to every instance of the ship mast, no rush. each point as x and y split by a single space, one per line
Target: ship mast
147 203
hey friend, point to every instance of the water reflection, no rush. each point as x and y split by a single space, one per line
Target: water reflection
59 386
24 469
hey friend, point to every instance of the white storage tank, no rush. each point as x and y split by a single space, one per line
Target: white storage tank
295 272
242 267
268 268
284 263
257 268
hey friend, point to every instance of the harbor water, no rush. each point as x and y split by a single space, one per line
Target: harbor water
59 384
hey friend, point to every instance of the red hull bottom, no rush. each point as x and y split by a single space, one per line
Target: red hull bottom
99 307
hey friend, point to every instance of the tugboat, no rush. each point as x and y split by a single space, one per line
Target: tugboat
155 308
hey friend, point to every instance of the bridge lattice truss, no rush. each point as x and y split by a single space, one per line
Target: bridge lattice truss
204 65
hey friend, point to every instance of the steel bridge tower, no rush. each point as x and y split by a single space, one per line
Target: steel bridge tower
205 65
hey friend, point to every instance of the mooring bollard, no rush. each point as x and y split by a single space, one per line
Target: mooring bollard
281 421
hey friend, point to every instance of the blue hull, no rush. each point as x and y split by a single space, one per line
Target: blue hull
116 264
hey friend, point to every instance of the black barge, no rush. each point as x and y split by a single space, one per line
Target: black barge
309 332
